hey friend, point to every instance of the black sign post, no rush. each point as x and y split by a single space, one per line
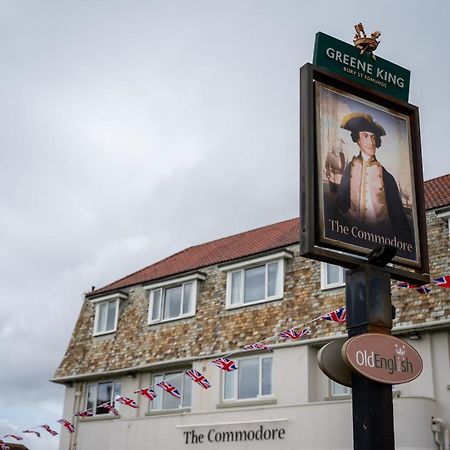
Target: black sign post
369 309
350 98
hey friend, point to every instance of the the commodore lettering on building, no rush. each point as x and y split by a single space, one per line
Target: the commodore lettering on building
218 436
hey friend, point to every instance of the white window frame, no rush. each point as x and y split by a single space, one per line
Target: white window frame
256 262
160 393
235 374
162 288
445 216
323 277
116 390
113 298
347 391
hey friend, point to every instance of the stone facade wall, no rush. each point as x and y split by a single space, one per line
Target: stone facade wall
215 330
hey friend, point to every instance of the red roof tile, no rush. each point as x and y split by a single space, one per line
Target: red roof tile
270 237
437 192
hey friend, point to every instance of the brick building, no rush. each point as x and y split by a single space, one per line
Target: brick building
215 298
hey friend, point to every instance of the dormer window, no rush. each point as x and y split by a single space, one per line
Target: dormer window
106 314
174 299
255 281
331 276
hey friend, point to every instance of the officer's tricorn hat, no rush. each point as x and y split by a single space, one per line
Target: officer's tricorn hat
356 122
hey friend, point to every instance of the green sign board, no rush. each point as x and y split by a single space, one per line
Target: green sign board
346 60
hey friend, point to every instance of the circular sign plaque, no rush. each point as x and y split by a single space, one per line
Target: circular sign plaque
383 358
332 365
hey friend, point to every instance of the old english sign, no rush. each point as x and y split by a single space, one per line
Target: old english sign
382 358
346 60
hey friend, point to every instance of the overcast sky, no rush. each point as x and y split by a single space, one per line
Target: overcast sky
133 129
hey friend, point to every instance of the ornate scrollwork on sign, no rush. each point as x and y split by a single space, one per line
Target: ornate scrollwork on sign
366 44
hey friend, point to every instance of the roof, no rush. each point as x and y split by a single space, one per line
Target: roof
215 252
270 237
437 192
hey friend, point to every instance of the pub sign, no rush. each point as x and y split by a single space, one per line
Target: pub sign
361 174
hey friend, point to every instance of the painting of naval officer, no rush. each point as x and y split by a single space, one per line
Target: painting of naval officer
368 194
368 198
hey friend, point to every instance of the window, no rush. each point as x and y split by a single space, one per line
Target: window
339 390
256 281
106 314
164 400
252 380
444 215
332 276
172 300
99 393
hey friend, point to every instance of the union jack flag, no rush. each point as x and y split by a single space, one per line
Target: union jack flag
67 425
258 346
423 290
87 413
14 436
225 364
47 428
200 379
404 284
292 334
338 315
443 282
4 446
32 431
127 401
110 408
147 392
172 390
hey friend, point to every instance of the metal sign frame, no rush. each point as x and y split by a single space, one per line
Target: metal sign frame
312 244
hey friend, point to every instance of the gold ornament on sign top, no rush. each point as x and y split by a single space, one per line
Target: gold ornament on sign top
366 44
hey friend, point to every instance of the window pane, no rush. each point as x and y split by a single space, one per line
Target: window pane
104 395
91 393
102 311
117 388
172 303
169 401
235 287
111 317
266 385
333 274
186 393
254 286
338 389
187 298
248 382
229 385
157 402
272 272
156 304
